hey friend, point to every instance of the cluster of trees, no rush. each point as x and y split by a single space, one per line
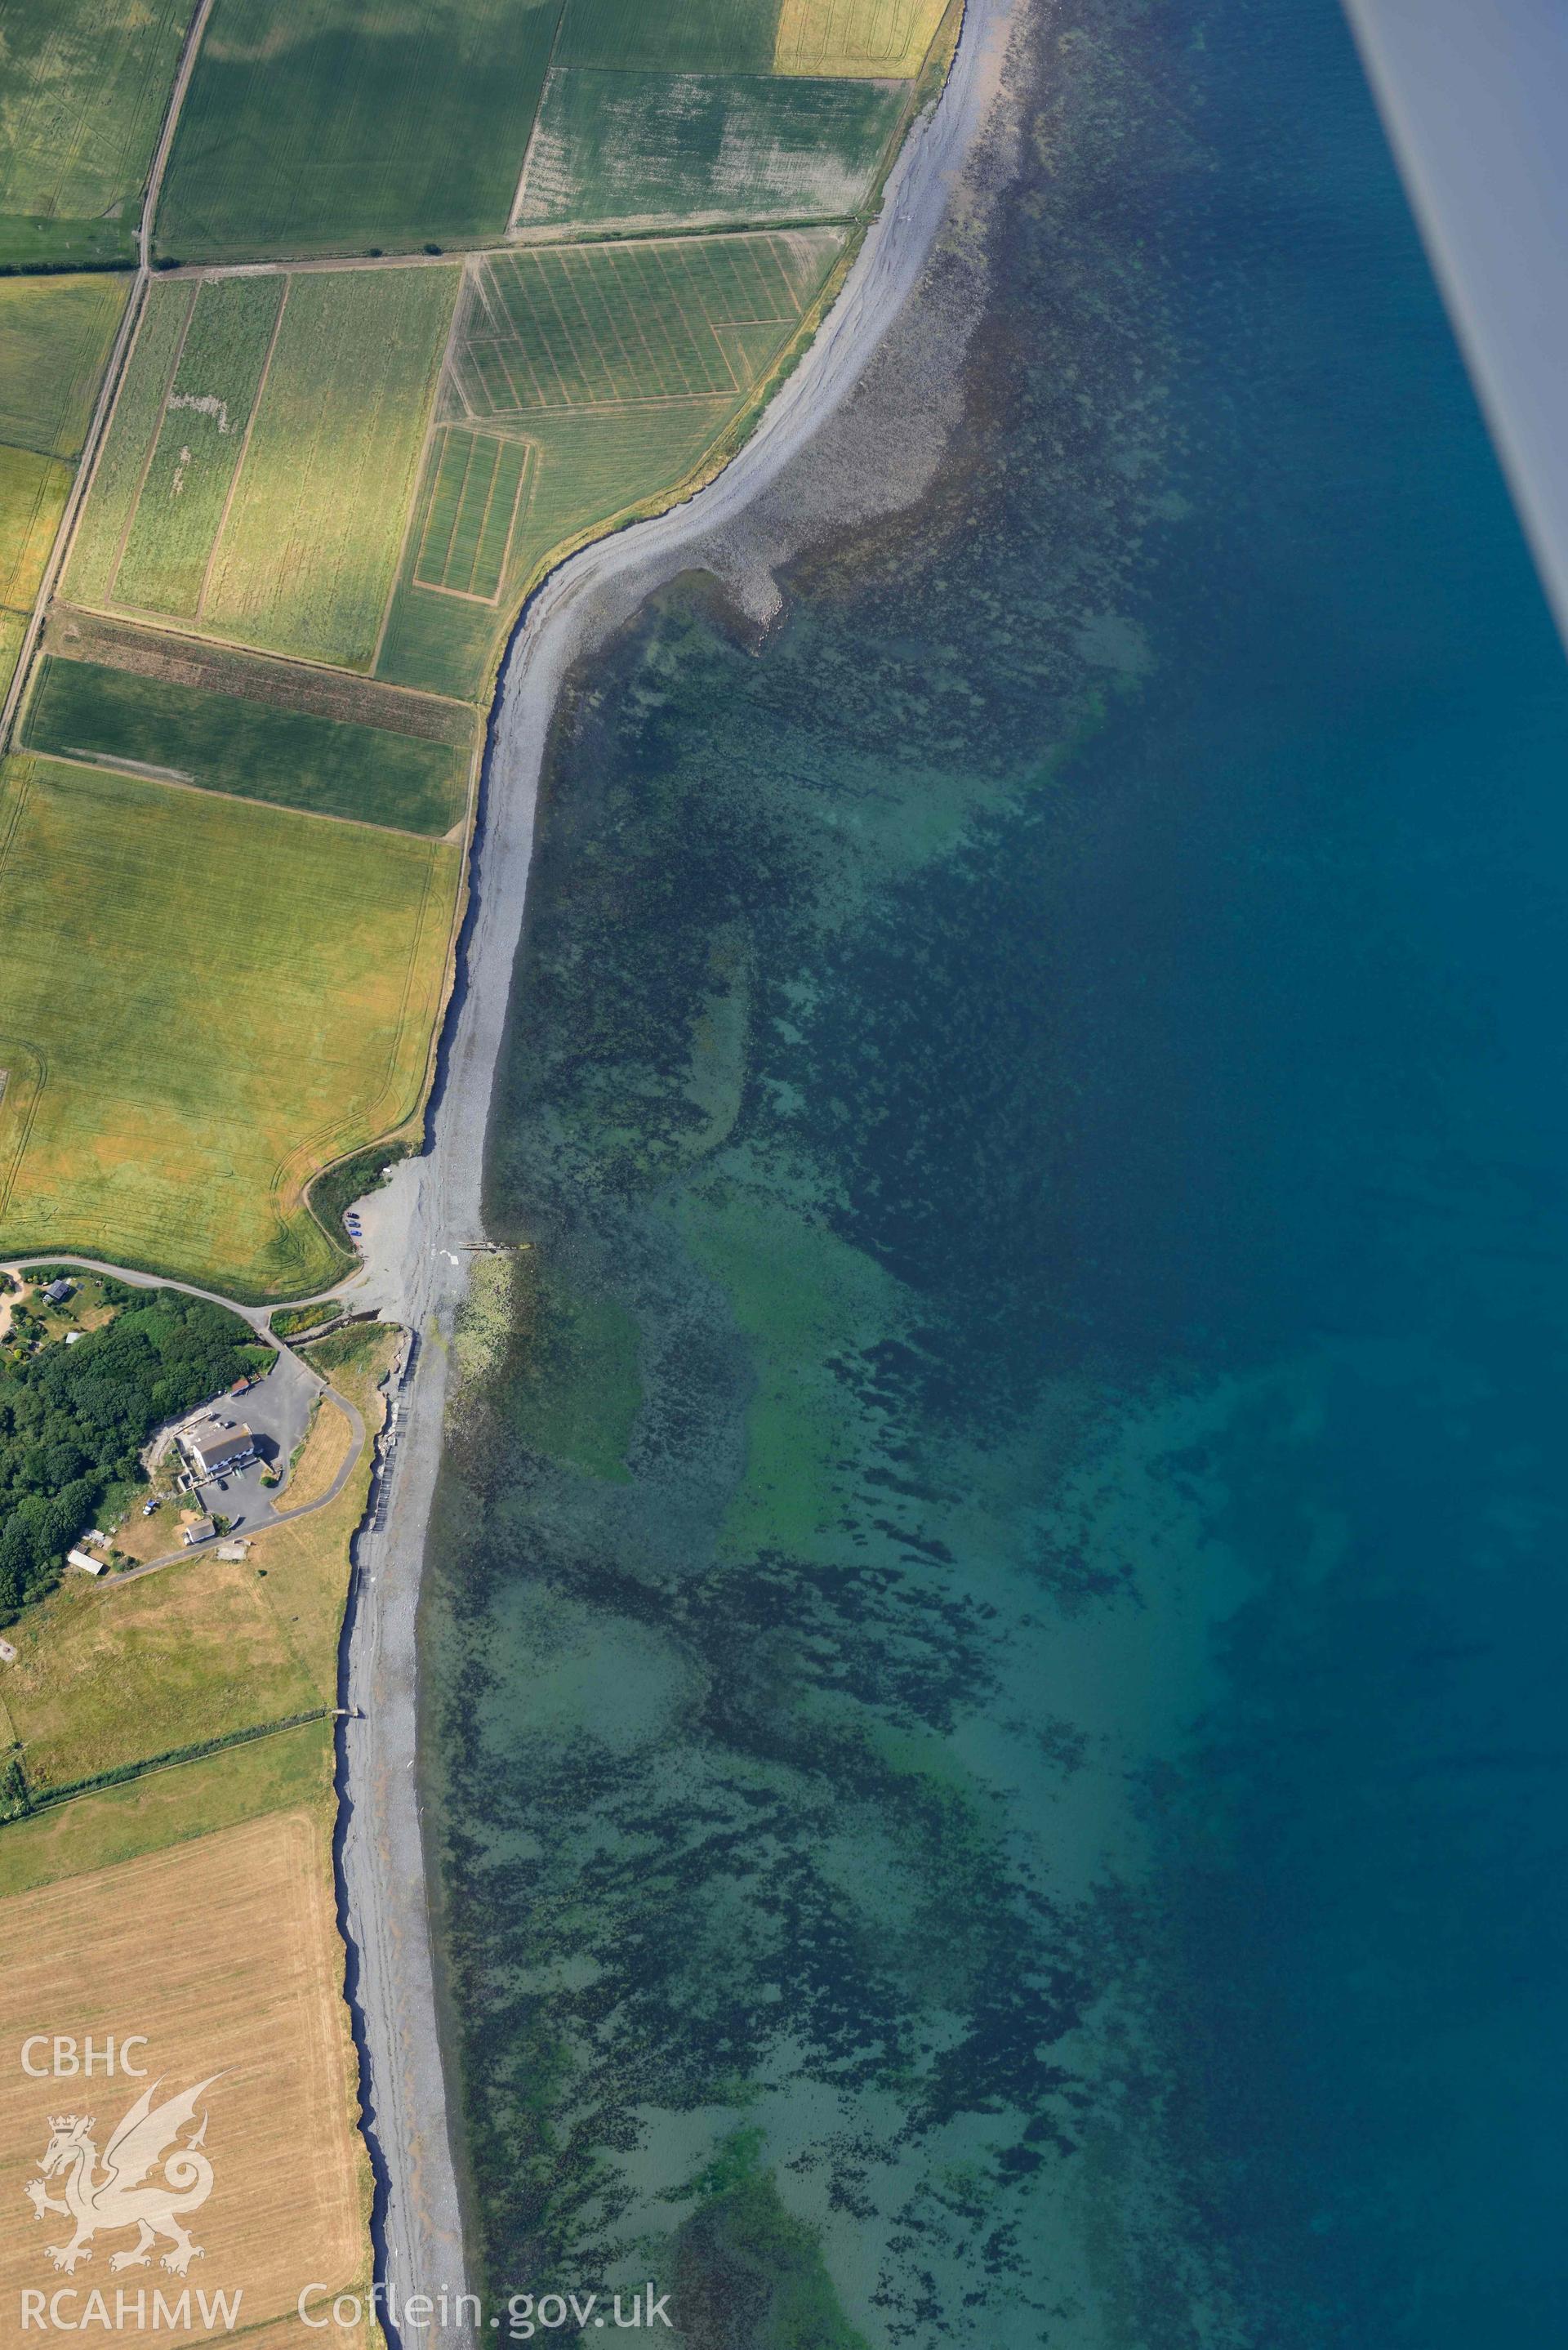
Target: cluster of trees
74 1418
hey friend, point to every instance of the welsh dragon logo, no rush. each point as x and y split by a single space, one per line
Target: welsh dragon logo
116 2197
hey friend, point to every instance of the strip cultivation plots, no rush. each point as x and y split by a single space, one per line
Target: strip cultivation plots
639 148
598 325
206 414
476 490
264 456
617 366
86 85
310 550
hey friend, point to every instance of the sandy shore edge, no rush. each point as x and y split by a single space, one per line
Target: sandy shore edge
419 1228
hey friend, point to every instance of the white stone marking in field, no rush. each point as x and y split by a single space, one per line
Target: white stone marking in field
205 403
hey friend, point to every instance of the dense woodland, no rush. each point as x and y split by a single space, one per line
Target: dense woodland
73 1419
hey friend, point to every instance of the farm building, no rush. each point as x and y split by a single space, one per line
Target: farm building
85 1561
201 1530
214 1445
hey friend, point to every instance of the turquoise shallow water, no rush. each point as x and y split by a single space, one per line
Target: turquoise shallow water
997 1611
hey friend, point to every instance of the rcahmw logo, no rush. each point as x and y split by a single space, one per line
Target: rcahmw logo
150 2176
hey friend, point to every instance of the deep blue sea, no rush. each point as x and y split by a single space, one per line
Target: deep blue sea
999 1597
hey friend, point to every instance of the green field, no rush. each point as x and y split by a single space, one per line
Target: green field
33 493
168 1807
254 749
336 127
86 83
206 412
670 36
639 148
55 338
202 1002
288 541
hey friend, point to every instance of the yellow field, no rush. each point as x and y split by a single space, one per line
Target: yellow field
326 1450
856 37
202 1002
33 493
223 1952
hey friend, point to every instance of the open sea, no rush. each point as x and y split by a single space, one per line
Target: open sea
997 1605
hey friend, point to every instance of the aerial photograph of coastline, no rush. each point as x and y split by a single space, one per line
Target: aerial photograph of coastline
783 1173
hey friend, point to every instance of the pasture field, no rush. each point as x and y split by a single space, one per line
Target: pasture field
670 36
637 150
856 37
204 1000
55 338
255 750
33 493
287 540
107 1675
86 85
618 366
292 1768
270 159
206 413
223 1951
140 651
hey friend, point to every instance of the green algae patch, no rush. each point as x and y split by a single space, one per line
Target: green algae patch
579 1389
745 2248
800 1295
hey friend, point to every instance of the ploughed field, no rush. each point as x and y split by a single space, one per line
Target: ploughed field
439 293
